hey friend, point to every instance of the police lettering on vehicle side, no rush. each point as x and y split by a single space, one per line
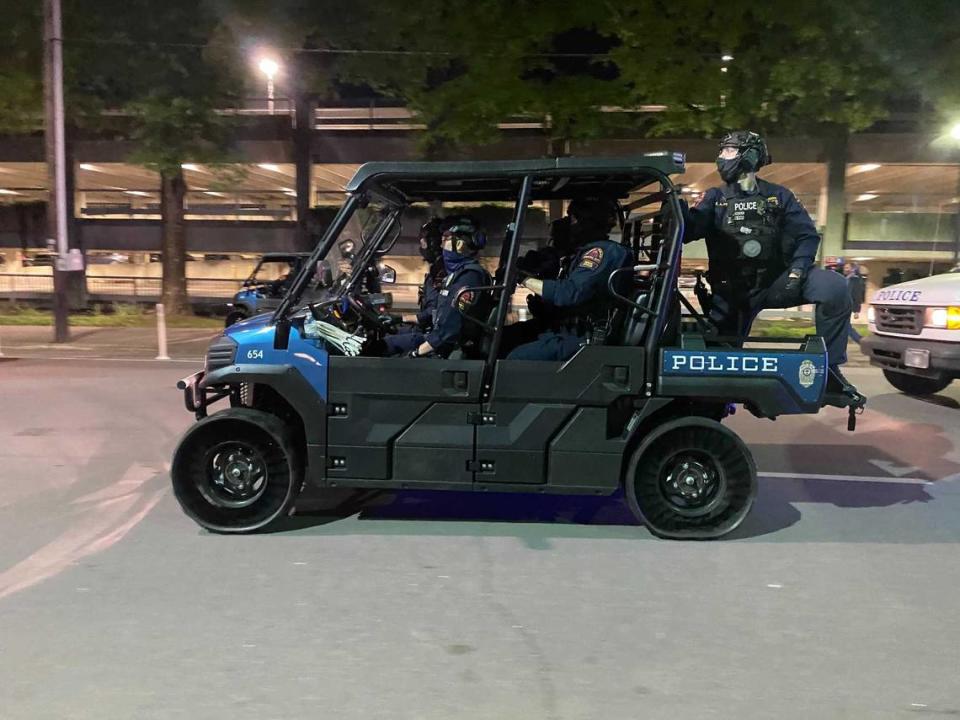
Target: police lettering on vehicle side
732 364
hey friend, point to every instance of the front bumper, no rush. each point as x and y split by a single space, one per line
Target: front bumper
196 398
888 353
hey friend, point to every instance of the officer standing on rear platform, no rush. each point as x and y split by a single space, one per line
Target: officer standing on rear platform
578 299
761 245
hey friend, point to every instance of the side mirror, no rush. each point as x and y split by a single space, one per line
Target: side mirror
388 275
347 247
324 274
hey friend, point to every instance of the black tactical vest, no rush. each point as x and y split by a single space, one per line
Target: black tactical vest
753 223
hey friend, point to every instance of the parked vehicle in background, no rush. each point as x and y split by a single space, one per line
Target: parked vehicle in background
915 333
265 287
43 258
112 258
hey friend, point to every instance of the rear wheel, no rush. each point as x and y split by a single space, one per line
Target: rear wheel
237 471
691 478
916 385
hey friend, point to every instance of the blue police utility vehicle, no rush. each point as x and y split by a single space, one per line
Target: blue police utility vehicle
315 409
265 287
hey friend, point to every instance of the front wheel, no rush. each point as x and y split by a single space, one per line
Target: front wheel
237 471
691 478
916 385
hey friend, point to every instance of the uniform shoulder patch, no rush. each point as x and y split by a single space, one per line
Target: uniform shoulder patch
465 301
591 259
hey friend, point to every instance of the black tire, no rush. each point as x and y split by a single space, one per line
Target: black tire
916 385
691 478
234 317
251 446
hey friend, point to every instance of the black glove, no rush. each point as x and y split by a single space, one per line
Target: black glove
795 279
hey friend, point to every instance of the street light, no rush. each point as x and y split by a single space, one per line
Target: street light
955 131
269 67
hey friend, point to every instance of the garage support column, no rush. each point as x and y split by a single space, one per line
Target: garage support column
836 151
303 160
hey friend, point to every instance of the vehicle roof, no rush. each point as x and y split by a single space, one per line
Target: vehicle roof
557 178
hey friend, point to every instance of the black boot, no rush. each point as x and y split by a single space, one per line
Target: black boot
842 389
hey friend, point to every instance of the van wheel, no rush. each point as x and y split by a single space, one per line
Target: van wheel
235 317
237 471
691 478
916 385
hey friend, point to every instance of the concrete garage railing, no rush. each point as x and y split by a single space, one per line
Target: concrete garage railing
128 289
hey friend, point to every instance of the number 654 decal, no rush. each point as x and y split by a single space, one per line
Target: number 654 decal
254 354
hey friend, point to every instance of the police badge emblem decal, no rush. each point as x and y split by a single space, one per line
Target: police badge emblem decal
808 373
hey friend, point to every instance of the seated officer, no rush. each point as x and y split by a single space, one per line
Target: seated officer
578 299
431 240
407 336
761 245
462 240
544 263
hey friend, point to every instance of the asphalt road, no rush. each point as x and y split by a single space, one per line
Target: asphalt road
837 599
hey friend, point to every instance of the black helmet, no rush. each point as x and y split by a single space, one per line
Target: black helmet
752 154
595 218
431 239
464 227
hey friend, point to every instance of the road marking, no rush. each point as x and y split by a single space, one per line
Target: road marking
846 478
893 468
193 361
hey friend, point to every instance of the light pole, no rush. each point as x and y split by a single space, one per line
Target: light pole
269 67
56 163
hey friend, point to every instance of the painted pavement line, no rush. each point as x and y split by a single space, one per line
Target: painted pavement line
846 478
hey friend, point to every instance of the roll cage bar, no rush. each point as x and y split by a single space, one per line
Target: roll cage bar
396 184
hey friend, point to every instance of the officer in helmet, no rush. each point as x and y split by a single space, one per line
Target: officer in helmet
431 241
462 240
762 244
408 336
578 298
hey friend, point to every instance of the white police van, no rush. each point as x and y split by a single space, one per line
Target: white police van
915 333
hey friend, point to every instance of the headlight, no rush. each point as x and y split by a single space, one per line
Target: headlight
947 318
871 315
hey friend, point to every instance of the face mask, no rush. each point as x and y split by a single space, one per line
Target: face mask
428 251
729 169
453 260
560 236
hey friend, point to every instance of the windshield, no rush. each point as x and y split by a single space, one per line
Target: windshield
337 271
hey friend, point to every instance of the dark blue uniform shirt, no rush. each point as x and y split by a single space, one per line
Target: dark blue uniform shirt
586 279
430 293
797 230
447 319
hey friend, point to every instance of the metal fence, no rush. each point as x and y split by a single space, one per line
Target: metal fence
114 288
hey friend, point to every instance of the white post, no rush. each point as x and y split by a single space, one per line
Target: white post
161 333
